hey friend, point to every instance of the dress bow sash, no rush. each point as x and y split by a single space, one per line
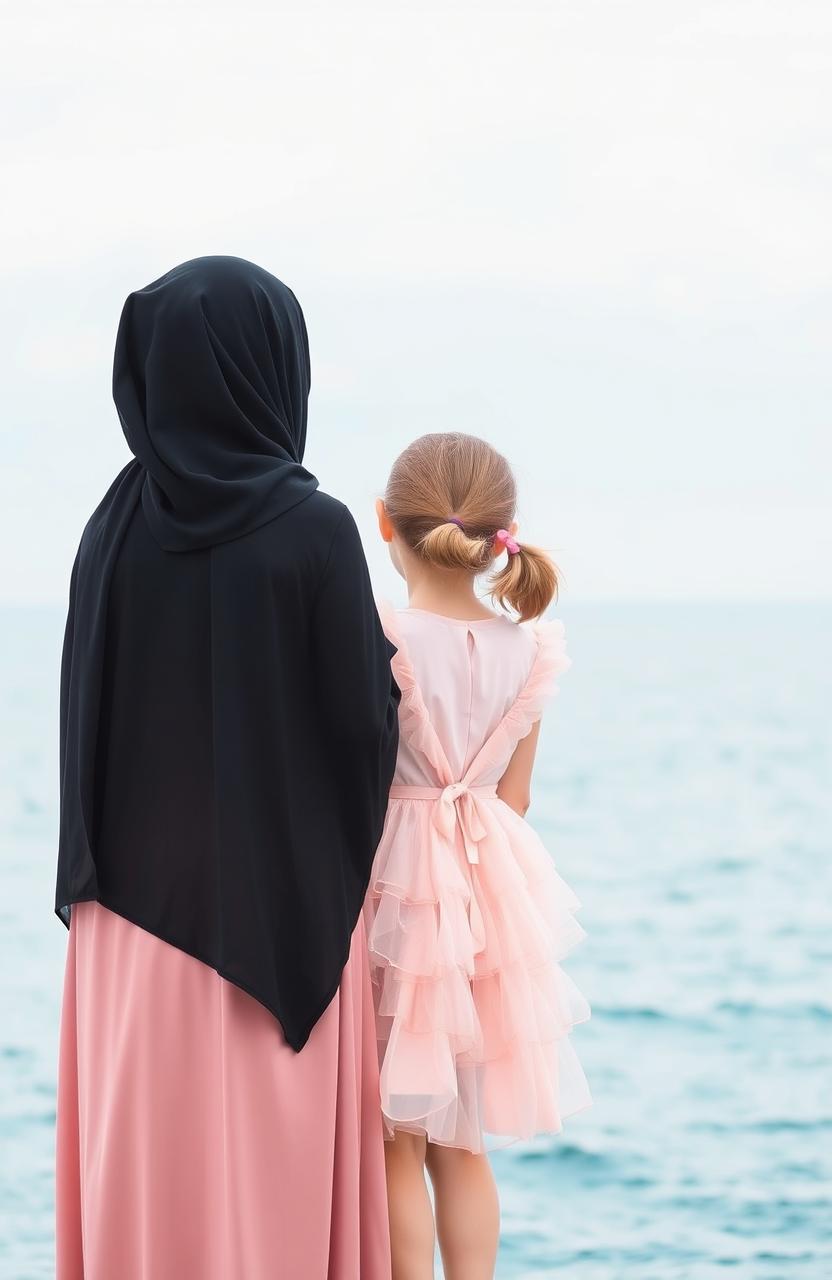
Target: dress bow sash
456 803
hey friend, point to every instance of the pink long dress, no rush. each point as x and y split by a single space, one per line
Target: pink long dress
192 1142
467 917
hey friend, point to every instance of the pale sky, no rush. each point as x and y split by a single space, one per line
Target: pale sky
596 233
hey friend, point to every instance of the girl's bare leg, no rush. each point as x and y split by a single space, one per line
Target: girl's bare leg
412 1232
467 1212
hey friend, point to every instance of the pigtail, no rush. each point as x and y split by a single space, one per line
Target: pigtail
528 583
449 547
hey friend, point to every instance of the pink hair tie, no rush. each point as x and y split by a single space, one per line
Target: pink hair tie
504 538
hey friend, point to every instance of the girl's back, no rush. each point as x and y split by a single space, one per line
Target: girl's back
468 674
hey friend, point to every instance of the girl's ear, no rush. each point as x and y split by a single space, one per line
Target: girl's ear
513 527
385 526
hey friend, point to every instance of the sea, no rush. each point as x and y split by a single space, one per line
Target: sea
684 789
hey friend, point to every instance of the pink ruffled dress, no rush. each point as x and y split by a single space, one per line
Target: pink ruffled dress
467 917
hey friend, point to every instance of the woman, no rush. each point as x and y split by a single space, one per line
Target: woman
228 736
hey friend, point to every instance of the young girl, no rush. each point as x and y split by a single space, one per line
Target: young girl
467 917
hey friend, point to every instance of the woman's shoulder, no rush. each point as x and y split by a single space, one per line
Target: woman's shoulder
310 529
314 541
322 512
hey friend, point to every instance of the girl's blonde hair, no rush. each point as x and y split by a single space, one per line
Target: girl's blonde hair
447 496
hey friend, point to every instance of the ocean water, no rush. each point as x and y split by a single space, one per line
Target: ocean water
685 790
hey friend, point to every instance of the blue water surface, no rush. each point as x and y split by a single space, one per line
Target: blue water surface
685 789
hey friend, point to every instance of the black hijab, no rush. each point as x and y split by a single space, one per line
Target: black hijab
211 382
228 717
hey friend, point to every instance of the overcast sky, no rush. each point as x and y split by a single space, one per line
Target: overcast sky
596 233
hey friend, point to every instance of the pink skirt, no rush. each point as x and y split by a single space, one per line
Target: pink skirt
192 1142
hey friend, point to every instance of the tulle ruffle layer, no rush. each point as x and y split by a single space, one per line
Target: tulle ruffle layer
473 1009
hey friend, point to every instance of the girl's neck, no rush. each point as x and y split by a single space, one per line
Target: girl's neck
450 594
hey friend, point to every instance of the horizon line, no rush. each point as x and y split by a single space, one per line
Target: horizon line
53 602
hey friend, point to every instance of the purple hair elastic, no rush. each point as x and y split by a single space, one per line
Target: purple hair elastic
455 520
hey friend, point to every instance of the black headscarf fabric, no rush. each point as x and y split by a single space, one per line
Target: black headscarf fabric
211 382
228 716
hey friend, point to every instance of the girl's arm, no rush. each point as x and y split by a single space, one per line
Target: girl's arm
515 784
